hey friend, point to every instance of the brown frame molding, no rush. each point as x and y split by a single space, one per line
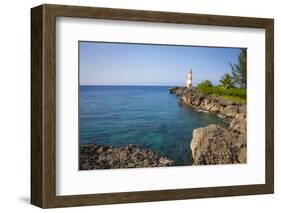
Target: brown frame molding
43 105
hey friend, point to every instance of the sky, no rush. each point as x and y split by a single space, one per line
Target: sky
103 63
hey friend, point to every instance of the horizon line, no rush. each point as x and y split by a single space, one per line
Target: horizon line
124 85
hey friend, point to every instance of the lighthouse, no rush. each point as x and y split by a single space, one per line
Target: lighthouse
189 79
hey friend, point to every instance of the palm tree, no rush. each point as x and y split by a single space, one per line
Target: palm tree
226 81
239 71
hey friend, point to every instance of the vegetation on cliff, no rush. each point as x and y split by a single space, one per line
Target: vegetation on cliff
237 95
231 86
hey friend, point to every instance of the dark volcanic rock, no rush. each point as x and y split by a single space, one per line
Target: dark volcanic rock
94 156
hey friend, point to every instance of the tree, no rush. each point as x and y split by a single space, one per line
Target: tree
205 84
239 71
226 81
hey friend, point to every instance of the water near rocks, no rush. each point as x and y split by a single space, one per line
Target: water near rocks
147 116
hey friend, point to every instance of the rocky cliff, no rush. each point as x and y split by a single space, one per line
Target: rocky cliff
214 144
220 106
94 156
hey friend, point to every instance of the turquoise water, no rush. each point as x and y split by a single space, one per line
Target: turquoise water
147 116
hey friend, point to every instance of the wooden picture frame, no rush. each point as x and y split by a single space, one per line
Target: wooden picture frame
43 105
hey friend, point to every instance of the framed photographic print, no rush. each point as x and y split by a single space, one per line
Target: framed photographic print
136 106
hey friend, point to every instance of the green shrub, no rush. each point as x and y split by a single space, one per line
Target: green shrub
204 84
235 99
220 91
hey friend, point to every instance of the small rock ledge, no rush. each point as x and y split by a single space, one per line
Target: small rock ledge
94 156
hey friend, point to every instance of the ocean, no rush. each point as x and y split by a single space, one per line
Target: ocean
148 116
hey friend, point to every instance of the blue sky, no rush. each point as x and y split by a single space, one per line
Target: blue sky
140 64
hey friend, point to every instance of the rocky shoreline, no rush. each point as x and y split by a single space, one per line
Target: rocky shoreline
206 103
95 156
214 144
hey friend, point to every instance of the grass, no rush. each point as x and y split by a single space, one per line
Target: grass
237 95
235 99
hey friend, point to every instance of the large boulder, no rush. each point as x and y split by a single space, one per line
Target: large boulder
239 124
214 144
243 109
212 107
230 111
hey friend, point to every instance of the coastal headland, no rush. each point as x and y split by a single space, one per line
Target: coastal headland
214 144
211 144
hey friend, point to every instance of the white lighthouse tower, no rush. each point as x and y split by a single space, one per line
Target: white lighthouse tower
189 79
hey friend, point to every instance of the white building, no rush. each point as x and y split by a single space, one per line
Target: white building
189 79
